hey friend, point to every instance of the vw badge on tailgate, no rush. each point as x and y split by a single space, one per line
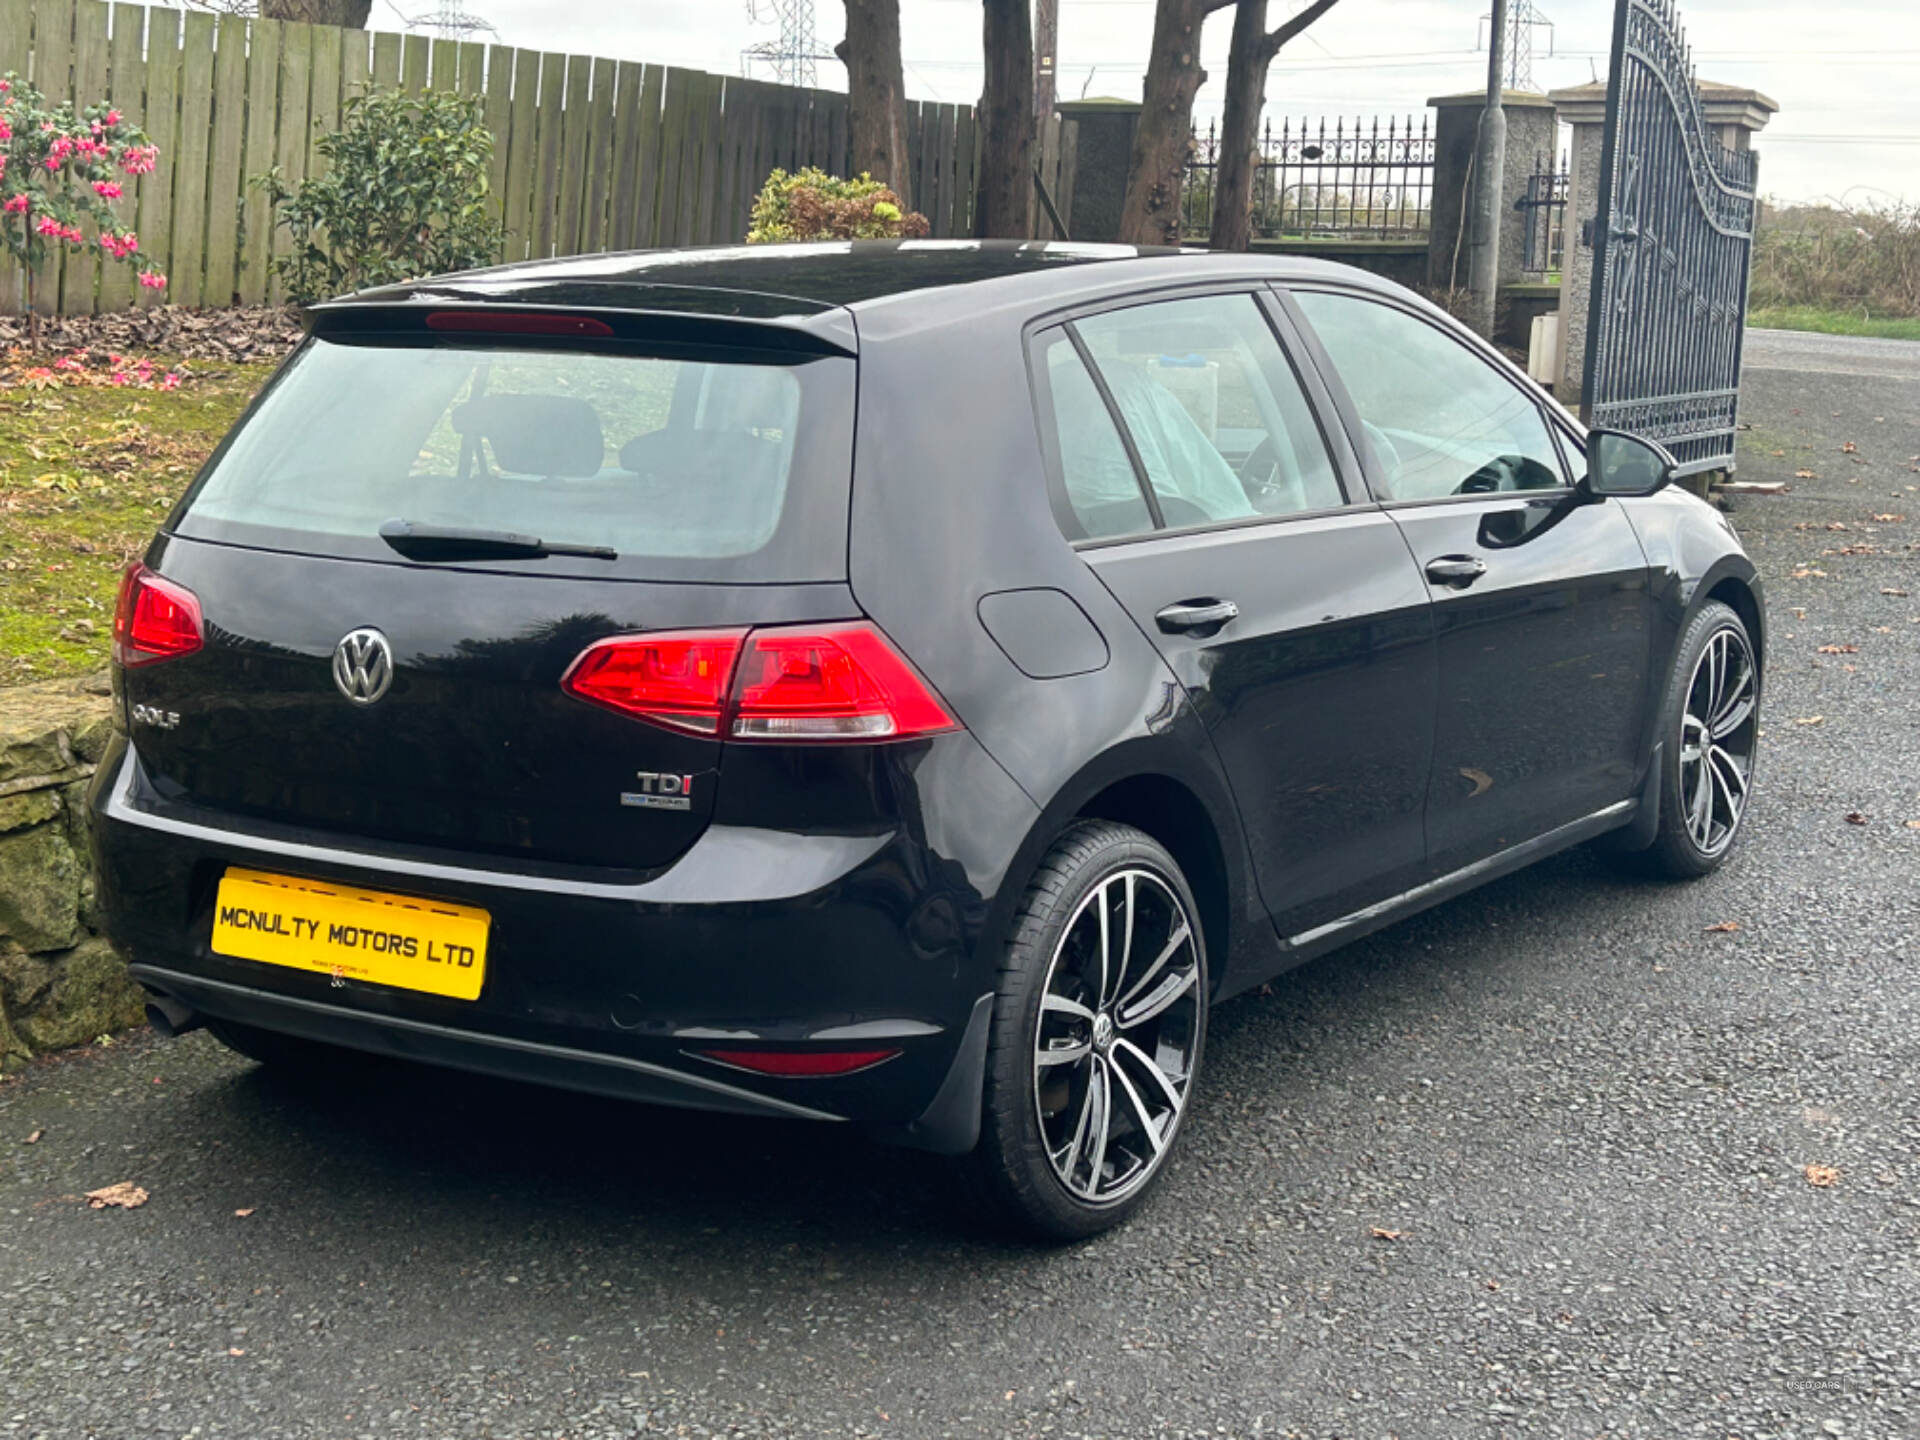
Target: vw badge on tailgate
363 665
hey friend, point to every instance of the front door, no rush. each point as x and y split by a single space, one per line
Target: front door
1206 497
1542 603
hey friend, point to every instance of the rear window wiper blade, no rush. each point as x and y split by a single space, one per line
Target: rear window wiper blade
453 542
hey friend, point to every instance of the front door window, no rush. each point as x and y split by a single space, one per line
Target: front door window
1439 420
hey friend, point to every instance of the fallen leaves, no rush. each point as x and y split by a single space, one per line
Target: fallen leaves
34 1138
1811 720
1821 1177
239 334
1725 927
1889 519
1913 824
1854 817
1838 650
243 1214
1378 1232
1805 475
126 1196
1806 572
1896 594
1847 447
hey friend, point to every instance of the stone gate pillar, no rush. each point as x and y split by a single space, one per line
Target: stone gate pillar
1531 130
1103 153
1734 114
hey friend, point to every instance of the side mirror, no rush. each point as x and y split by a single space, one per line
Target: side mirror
1625 465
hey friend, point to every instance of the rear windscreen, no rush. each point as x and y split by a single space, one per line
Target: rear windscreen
707 465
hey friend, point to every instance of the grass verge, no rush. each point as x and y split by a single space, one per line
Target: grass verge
1833 322
88 469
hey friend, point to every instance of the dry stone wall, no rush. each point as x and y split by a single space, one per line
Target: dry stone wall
61 984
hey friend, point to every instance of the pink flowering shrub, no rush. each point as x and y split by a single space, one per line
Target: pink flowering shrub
59 176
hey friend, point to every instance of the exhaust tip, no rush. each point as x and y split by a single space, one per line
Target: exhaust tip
170 1018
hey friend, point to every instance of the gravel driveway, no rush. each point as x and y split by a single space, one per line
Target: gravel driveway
1534 1163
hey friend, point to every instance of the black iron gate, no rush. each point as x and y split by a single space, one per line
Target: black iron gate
1672 246
1543 204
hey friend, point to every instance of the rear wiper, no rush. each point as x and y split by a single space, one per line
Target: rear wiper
451 542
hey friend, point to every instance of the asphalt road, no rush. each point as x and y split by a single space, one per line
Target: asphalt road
1586 1114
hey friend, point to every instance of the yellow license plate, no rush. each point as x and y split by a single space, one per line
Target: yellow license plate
352 934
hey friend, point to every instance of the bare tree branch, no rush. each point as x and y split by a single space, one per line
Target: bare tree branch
1294 25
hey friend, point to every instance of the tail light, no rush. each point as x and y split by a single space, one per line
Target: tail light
788 683
801 1064
678 680
155 619
838 682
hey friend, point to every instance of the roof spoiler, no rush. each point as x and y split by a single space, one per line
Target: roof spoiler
445 312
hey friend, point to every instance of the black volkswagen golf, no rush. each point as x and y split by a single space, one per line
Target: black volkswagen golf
904 685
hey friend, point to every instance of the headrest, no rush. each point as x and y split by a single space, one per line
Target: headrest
536 434
697 452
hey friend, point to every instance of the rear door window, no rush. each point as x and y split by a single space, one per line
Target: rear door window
710 467
1192 415
1101 491
1214 408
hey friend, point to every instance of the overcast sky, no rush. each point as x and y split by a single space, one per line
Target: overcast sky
1843 71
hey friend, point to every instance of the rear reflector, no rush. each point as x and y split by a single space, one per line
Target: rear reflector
787 683
517 323
797 1063
154 620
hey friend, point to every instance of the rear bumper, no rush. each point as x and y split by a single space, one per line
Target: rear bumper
754 937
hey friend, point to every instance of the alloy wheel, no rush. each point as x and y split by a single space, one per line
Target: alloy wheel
1718 732
1117 1036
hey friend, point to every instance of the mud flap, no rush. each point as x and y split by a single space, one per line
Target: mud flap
951 1124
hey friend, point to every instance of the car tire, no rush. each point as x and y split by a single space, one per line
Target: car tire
1709 724
1090 1073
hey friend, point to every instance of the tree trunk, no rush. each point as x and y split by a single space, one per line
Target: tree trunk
350 14
1232 227
1151 214
1004 206
876 94
1252 51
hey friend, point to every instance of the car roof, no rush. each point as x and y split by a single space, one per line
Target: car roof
791 281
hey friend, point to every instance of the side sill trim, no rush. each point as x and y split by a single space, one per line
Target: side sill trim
1434 891
332 1020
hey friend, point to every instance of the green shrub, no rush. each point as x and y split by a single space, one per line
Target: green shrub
405 195
1864 260
813 205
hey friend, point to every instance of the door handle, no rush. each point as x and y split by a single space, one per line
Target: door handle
1196 617
1456 571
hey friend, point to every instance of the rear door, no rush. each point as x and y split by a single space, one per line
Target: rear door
1542 601
707 485
1191 470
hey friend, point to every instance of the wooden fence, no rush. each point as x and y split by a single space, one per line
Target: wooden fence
590 154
